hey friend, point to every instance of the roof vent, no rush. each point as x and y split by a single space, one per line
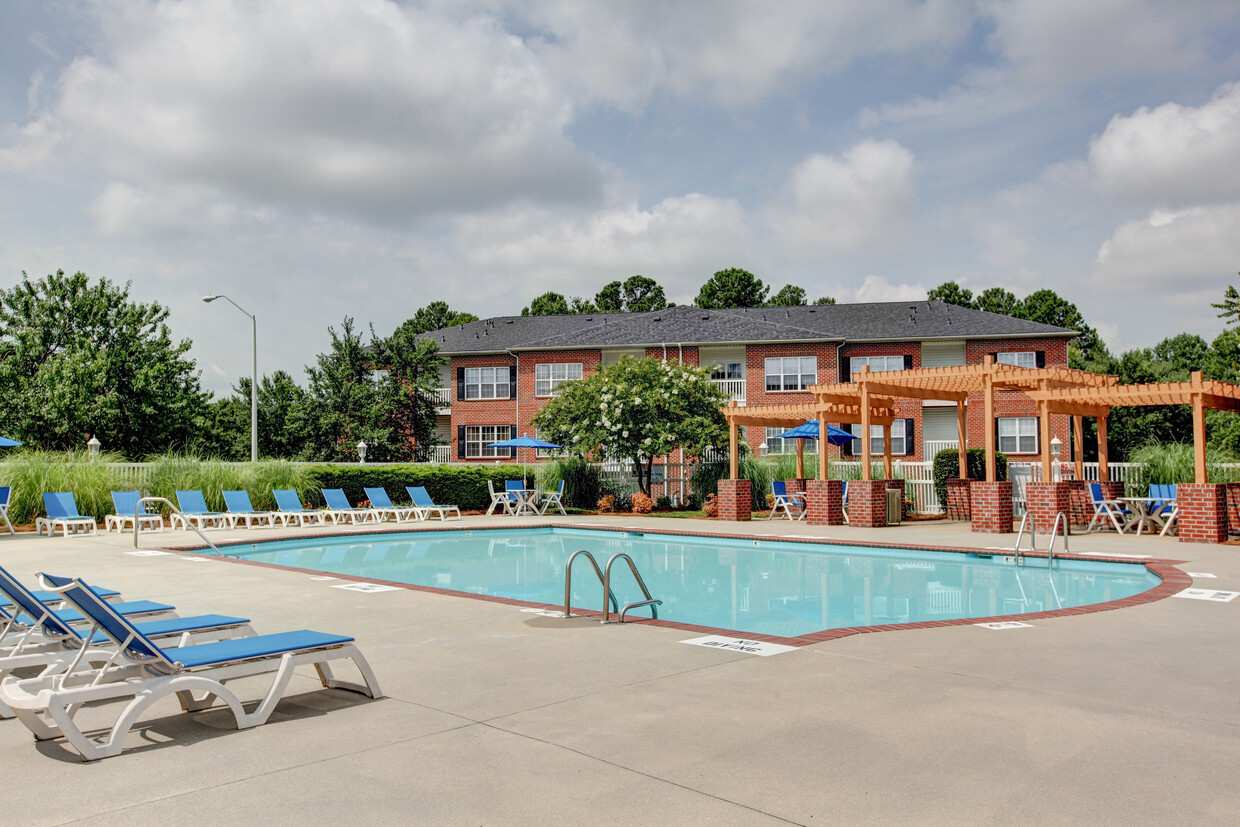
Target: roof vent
787 314
589 318
705 316
658 318
510 321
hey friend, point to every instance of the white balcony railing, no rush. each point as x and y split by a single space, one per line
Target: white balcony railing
931 447
734 388
443 398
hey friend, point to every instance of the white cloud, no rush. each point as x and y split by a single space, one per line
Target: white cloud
879 289
1178 257
362 107
1173 155
858 203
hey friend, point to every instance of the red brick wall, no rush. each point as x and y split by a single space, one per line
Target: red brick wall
1202 512
867 503
992 507
735 499
1044 500
826 502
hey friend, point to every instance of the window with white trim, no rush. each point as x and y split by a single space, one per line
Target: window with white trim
478 439
1018 435
486 383
1019 358
776 445
876 363
731 370
898 447
549 376
791 373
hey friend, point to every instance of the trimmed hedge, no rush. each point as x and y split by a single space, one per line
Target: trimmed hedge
460 485
947 466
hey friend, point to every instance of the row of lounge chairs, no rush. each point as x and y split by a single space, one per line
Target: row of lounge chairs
192 508
85 649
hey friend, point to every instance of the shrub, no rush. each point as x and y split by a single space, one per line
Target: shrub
582 484
607 503
461 485
947 466
663 503
710 507
642 504
1175 463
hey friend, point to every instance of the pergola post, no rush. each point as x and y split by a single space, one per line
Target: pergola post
988 389
1044 438
962 441
887 452
800 459
1078 447
1199 429
1104 472
865 425
733 450
823 444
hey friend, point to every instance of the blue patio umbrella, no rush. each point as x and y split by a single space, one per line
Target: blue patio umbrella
835 436
5 442
523 442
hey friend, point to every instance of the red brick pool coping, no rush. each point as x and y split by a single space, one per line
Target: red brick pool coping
1173 579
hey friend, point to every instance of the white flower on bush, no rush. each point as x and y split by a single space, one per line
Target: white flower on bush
625 434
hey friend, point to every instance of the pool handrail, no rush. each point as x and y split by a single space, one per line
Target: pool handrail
568 582
137 509
649 601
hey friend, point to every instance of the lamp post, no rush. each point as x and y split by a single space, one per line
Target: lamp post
361 451
93 446
253 375
1056 450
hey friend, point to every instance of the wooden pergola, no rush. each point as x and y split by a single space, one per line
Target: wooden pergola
1198 393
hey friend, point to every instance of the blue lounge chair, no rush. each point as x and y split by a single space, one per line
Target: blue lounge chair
382 503
194 510
240 508
126 503
62 511
36 635
792 505
291 508
426 505
339 508
552 499
5 491
145 672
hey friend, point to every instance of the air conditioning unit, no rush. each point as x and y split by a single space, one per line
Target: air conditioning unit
895 506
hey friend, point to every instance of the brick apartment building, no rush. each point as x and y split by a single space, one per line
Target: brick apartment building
500 371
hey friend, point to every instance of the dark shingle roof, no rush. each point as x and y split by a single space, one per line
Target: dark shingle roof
688 325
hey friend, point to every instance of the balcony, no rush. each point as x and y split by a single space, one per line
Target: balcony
443 399
734 388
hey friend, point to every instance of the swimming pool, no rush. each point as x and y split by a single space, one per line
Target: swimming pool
755 586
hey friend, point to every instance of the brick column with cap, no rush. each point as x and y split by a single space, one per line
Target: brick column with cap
735 500
826 502
991 507
1202 512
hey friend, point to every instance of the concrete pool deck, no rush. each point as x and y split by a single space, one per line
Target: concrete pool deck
498 716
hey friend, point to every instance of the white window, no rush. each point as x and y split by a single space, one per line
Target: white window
730 370
775 445
478 439
1020 358
487 383
791 373
549 377
876 363
1018 435
876 439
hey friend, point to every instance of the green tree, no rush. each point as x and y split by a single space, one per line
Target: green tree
824 300
642 294
1048 307
548 304
80 358
951 293
637 409
436 316
611 298
732 287
1229 307
997 300
789 296
407 392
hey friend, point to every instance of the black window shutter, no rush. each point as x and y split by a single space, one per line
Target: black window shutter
460 439
1041 358
993 356
847 448
908 361
844 375
512 390
512 431
910 444
996 425
460 388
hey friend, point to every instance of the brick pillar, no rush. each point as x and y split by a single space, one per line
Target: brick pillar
1233 507
867 503
735 499
795 486
958 505
992 507
1081 504
1203 512
1044 500
898 485
826 502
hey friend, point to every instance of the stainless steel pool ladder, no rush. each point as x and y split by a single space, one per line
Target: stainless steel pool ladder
138 510
1060 519
610 603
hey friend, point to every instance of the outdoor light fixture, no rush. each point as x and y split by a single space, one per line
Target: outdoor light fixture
253 376
94 445
762 449
361 451
1056 450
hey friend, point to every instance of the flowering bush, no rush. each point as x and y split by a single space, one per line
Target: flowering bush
607 504
642 504
711 507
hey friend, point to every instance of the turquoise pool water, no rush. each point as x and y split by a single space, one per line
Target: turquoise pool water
757 586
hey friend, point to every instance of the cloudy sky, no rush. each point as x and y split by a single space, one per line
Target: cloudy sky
320 158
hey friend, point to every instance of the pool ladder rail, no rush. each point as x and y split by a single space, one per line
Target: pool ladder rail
610 603
1061 519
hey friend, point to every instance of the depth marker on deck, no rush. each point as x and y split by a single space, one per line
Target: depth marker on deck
1201 575
322 577
151 553
1208 594
367 588
735 644
544 612
1005 624
1113 554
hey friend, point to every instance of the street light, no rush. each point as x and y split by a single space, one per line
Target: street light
253 376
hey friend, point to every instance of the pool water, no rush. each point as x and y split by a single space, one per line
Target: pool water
756 586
